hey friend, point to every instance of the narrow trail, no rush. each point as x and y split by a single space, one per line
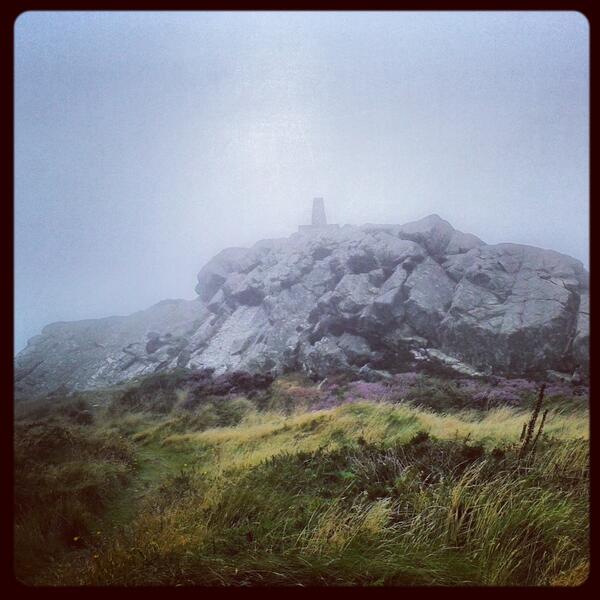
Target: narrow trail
154 464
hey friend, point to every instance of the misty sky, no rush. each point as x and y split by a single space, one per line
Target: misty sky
147 142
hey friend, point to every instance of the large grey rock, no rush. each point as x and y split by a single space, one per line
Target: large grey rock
231 260
581 339
428 295
378 298
99 352
515 308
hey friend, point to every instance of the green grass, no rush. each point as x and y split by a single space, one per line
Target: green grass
154 464
361 494
65 475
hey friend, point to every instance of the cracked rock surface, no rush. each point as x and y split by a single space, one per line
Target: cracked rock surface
381 298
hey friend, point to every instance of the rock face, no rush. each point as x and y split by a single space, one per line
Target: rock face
98 352
368 299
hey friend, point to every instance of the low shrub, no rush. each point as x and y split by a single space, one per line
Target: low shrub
438 394
186 389
72 407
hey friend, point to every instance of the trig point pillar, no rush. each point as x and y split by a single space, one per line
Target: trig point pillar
318 213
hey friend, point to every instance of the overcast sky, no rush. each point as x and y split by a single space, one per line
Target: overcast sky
147 142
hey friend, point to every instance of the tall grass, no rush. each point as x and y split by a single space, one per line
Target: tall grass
65 474
262 435
361 494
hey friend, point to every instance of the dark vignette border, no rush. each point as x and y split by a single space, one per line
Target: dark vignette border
10 14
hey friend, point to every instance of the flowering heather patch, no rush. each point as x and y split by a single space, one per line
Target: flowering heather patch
498 396
375 392
461 392
291 393
497 392
355 391
565 389
333 400
393 390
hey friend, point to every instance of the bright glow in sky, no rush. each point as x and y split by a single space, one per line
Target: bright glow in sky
147 142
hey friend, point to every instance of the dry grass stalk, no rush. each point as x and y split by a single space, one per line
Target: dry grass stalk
532 421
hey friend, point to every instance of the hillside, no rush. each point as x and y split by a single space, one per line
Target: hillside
180 480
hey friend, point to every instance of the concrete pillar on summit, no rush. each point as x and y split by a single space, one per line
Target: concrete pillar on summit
318 213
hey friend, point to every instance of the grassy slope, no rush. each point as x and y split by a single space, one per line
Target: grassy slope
360 494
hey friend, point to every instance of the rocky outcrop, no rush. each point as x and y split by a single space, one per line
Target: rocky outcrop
98 352
370 299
